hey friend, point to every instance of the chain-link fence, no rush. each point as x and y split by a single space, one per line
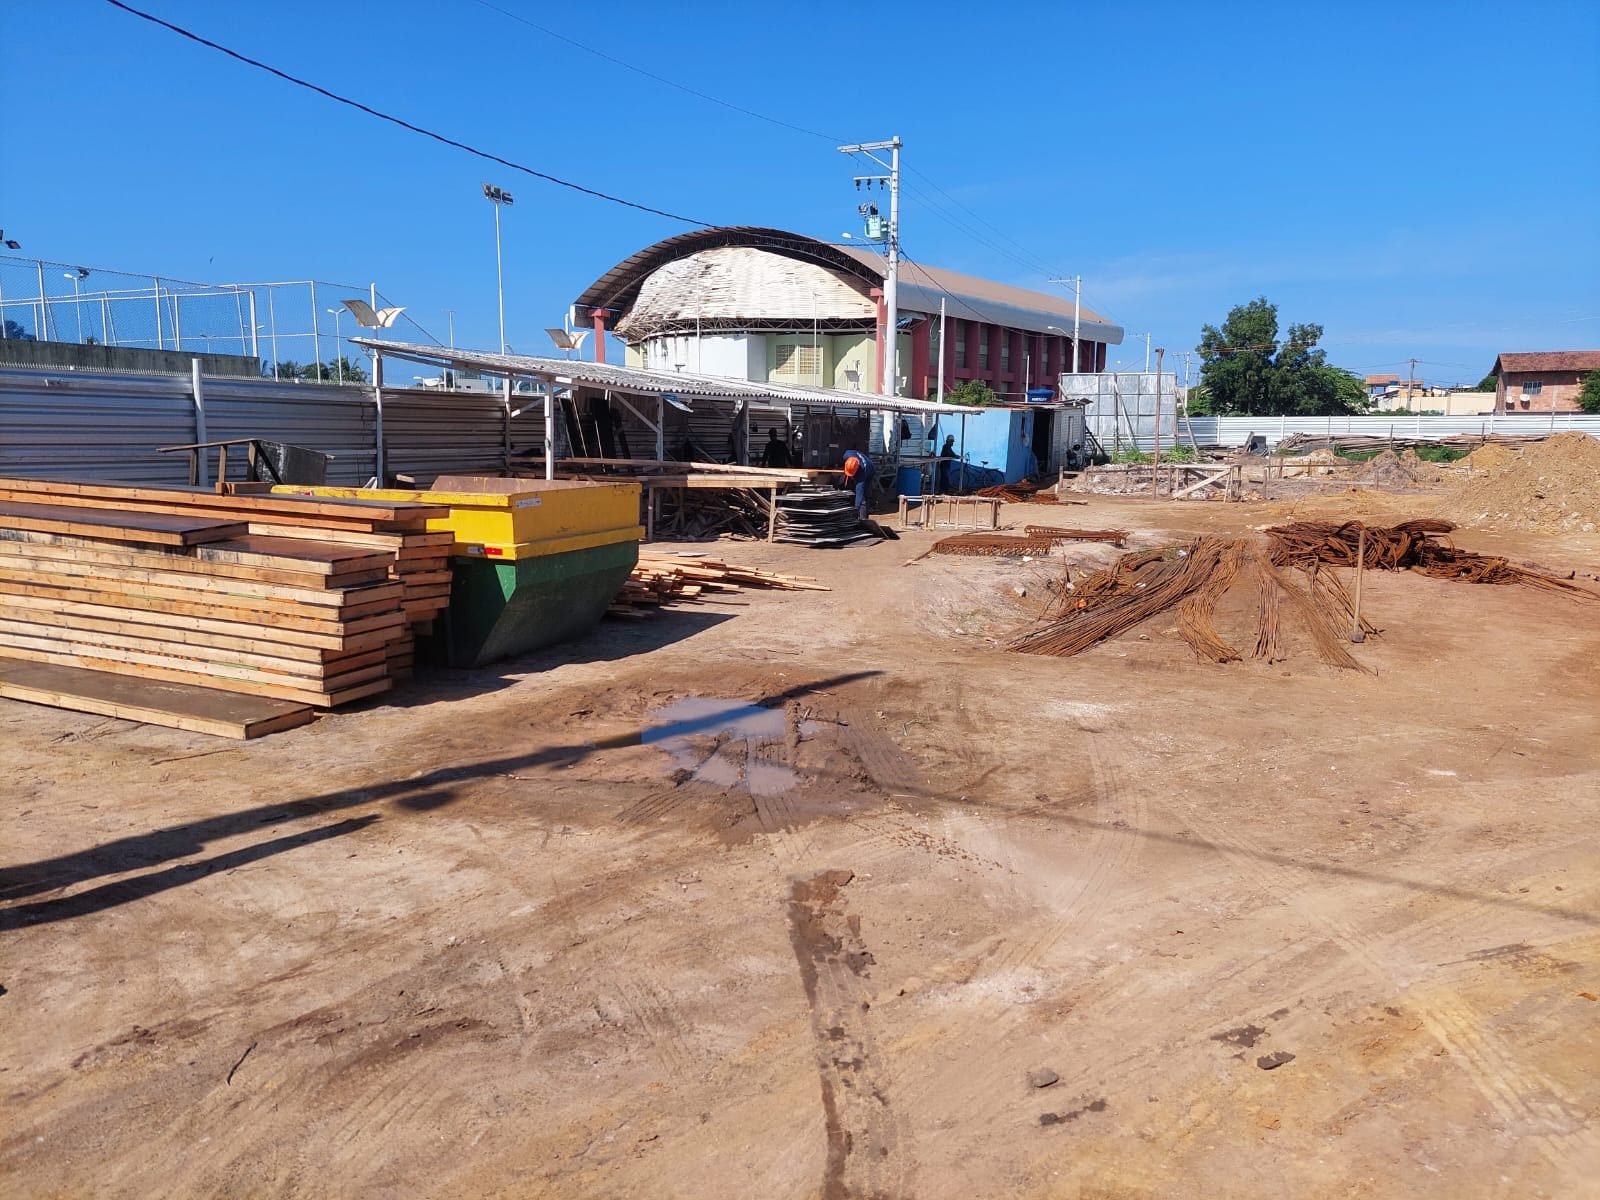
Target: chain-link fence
297 328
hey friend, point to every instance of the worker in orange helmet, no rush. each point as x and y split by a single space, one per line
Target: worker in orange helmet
858 472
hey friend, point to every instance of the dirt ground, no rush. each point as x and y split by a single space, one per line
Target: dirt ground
489 941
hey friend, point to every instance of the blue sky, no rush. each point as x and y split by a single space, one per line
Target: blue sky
1421 179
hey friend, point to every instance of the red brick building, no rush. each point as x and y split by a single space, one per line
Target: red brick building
1541 381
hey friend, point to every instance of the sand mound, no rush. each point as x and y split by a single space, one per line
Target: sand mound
1491 457
1389 470
1553 484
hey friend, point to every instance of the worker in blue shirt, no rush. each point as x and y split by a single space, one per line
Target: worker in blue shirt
858 472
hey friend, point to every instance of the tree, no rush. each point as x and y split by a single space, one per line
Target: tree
16 332
1489 383
1589 393
335 370
1248 369
972 393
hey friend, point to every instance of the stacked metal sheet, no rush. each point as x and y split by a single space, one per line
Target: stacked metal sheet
823 517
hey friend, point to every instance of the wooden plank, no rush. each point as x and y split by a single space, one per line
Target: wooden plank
70 639
22 543
27 566
151 529
177 626
295 554
235 637
174 705
321 699
186 499
339 623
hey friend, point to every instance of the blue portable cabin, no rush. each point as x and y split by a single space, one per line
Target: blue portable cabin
996 444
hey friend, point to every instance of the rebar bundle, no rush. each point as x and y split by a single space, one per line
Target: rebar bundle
1115 536
1411 545
1292 566
992 545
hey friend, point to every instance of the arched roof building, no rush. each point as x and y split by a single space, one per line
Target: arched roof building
765 304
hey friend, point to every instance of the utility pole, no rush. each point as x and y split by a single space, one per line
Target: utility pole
940 396
1077 311
1155 463
497 197
1147 354
889 351
1411 381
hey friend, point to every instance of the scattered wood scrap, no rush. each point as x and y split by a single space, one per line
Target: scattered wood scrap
661 579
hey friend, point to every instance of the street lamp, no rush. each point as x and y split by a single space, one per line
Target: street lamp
497 197
338 342
77 277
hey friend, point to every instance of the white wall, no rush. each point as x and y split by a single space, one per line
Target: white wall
726 355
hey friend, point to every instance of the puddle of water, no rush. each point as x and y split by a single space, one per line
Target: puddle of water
697 733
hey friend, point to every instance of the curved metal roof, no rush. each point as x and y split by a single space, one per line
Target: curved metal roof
619 287
968 297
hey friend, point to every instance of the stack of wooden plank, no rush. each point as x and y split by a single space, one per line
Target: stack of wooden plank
664 578
302 601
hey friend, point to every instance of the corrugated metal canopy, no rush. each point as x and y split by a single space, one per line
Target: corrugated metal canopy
634 382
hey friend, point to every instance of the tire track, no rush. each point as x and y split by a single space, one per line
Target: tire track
864 1159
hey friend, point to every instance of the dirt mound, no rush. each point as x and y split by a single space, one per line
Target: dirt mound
1388 469
1491 457
1553 484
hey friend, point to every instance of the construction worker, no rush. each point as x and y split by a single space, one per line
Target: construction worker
858 472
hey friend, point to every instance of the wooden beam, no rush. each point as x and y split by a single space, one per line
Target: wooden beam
174 705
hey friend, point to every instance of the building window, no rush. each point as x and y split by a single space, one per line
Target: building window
798 362
1005 353
959 332
1532 387
983 348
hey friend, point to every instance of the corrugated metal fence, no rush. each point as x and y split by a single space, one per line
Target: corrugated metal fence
108 425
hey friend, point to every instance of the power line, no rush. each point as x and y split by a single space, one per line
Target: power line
402 123
1030 263
662 79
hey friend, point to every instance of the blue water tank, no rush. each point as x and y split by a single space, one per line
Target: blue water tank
908 482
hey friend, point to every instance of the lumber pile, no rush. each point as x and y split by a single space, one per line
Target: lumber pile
660 579
312 602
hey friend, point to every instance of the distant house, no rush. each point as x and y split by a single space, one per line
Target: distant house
1541 381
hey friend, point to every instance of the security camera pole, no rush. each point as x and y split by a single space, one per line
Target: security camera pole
497 197
889 376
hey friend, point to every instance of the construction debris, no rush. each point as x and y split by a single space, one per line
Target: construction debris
1115 536
993 545
660 579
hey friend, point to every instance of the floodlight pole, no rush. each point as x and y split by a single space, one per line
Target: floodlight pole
498 196
500 277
